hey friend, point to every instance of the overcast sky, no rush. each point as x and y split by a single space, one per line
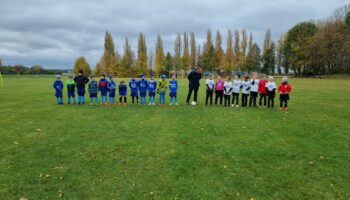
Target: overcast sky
53 33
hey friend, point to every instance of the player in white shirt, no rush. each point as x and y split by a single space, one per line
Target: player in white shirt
227 91
254 87
209 83
271 92
245 86
236 90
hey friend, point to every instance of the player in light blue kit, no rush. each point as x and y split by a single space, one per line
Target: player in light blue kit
173 86
143 89
152 87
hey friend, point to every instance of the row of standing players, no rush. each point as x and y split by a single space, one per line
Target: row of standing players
266 89
138 88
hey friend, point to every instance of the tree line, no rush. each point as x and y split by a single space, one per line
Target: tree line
23 70
309 48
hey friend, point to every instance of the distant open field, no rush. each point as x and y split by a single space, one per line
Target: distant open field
48 151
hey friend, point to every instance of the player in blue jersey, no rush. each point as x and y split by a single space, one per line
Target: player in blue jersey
173 86
111 90
123 89
134 87
58 86
152 87
143 89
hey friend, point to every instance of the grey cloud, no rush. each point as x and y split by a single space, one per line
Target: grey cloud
55 33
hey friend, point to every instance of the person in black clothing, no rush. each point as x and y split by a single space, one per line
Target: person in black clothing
80 82
194 77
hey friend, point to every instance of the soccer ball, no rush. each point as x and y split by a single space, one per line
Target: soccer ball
193 103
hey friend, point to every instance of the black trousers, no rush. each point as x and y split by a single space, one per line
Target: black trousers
252 100
227 99
209 96
270 100
219 94
284 100
235 97
133 99
121 99
244 99
262 97
192 89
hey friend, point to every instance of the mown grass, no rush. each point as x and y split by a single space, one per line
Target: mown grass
49 151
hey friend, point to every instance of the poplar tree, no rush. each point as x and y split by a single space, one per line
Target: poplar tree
194 57
107 64
141 63
220 55
126 62
237 51
159 57
186 60
178 49
229 52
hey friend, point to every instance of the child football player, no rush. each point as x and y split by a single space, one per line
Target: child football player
209 83
254 86
152 86
58 86
143 89
245 86
173 86
93 89
227 91
236 90
122 92
134 87
103 88
161 89
70 85
219 90
284 89
270 88
262 90
111 90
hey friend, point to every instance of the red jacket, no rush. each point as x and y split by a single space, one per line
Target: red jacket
262 86
284 88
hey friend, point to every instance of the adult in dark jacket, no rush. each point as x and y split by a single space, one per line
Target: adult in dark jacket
193 77
80 82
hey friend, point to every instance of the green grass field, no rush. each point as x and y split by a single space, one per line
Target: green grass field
49 151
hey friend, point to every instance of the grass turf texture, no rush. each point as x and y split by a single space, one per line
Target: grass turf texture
48 151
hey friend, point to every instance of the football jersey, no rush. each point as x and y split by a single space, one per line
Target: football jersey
228 86
271 86
245 87
210 83
254 87
236 86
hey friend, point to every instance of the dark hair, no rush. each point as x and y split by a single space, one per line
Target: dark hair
92 76
103 75
238 75
81 71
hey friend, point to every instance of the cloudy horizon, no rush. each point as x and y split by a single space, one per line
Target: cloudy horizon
54 33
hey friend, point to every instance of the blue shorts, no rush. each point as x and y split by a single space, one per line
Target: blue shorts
59 95
143 94
71 94
103 94
81 91
112 94
93 95
134 94
151 94
173 94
